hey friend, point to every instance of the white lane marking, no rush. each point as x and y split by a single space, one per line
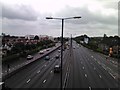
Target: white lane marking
109 68
38 71
85 75
28 80
83 68
51 71
44 81
112 75
90 88
45 65
67 68
92 56
94 68
100 76
65 80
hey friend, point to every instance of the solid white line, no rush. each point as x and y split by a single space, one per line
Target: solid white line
65 80
83 68
44 81
28 80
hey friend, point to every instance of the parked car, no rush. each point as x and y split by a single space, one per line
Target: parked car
29 57
57 69
47 58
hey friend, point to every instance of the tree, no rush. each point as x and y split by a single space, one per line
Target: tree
36 38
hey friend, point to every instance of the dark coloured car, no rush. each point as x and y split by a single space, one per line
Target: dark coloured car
47 58
57 56
57 69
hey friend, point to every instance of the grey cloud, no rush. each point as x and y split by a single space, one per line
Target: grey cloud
92 24
18 12
113 4
87 16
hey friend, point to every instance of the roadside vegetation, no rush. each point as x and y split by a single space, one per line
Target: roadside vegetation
101 44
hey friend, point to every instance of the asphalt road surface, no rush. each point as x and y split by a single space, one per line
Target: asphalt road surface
82 68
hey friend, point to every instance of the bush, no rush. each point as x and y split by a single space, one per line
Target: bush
10 58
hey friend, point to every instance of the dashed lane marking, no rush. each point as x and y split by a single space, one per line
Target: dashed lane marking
51 71
44 81
100 76
45 65
38 71
89 88
85 75
28 80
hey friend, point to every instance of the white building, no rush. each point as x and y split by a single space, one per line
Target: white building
86 40
29 36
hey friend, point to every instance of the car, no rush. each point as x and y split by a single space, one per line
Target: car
57 69
57 56
41 52
73 47
29 57
67 48
47 50
59 51
47 58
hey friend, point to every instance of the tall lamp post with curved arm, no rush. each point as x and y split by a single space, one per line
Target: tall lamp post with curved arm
77 17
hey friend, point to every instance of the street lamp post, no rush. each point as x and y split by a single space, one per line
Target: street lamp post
77 17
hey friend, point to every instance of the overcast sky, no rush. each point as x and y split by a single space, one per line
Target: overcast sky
24 17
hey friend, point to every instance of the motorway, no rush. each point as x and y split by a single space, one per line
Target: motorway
82 68
85 70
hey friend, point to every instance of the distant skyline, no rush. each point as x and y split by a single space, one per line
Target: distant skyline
27 17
